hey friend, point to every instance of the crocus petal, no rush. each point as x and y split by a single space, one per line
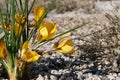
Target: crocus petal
62 41
20 18
55 47
64 45
52 29
38 12
28 56
18 29
46 31
24 48
31 56
2 49
26 45
67 49
7 26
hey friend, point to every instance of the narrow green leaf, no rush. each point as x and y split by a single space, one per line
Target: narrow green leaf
2 34
21 6
3 27
17 5
4 64
31 6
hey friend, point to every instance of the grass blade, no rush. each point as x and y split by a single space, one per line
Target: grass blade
31 7
3 27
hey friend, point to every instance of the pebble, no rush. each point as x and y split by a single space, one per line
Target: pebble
119 74
111 77
52 77
40 77
46 77
62 20
55 72
115 63
69 78
79 74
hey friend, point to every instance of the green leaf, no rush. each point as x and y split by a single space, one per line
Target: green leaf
2 34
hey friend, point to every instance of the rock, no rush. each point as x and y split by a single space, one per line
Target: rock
52 77
69 78
92 77
46 77
96 77
40 77
62 77
106 5
55 72
79 75
111 77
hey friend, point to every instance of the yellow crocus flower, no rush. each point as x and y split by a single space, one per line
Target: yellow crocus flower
20 18
28 55
7 26
3 50
38 12
64 45
18 29
46 31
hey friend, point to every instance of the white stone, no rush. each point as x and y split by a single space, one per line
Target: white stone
40 77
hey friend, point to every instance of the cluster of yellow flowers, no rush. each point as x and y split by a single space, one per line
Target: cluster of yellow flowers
45 32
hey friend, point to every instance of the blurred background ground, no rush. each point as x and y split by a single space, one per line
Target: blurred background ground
97 57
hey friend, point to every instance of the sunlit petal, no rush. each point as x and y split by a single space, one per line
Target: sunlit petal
7 26
46 31
20 18
26 45
28 55
2 49
67 49
18 29
38 12
31 56
64 45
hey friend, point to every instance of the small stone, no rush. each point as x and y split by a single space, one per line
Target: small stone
69 78
62 78
115 63
53 77
119 74
67 74
55 72
96 77
46 77
40 77
91 65
106 62
79 74
114 74
67 59
111 77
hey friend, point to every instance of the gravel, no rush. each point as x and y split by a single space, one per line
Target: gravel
94 59
90 61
